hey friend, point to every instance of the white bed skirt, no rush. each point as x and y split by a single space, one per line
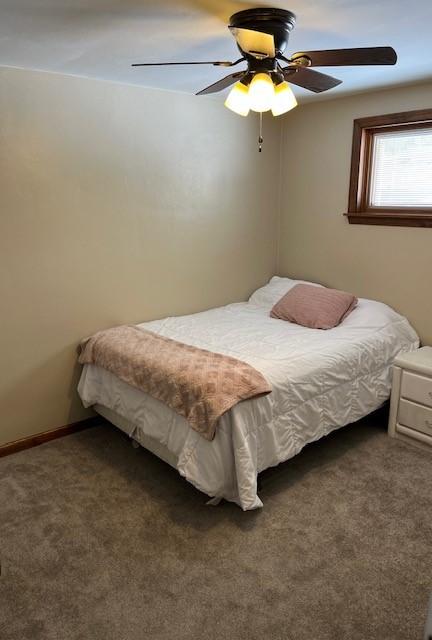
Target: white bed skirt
159 449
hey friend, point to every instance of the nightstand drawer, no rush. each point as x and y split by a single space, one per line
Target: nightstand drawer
417 388
415 416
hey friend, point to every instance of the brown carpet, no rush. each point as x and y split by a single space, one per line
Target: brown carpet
100 541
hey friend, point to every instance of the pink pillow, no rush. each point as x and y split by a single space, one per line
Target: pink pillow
314 307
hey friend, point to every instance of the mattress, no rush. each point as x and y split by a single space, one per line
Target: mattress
321 380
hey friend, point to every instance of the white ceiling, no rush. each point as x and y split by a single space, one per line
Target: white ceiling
101 38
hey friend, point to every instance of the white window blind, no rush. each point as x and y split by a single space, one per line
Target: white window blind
401 173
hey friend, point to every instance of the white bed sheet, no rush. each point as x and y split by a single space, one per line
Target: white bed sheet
321 380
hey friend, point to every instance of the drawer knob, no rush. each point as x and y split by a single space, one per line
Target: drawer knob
430 395
428 423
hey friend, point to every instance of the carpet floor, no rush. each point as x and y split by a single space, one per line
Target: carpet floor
101 541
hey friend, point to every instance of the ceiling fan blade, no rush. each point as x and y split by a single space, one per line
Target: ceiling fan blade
222 84
254 42
310 79
172 64
349 57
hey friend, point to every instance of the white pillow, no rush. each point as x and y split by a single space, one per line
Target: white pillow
269 294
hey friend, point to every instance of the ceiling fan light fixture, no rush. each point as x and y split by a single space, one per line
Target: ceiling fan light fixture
284 99
238 99
261 93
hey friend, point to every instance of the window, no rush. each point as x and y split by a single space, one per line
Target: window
391 170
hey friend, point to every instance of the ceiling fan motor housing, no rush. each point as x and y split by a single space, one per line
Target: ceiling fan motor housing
276 22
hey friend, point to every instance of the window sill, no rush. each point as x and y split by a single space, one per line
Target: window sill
391 219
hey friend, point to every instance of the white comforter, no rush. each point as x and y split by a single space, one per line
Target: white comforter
321 380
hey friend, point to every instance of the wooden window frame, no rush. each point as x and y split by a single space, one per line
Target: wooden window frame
359 211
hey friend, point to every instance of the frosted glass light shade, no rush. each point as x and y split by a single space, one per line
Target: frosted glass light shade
261 93
284 99
238 99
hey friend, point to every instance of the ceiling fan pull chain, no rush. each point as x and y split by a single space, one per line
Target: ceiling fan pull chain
260 139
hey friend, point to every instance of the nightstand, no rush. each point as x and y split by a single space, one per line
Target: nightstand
411 399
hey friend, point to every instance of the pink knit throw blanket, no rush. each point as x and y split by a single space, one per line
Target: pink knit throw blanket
199 385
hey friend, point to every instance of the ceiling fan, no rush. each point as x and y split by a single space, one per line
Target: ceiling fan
262 37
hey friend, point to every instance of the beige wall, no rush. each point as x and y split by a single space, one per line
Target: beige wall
392 264
120 204
117 204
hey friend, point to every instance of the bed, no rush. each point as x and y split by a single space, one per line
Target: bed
321 381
